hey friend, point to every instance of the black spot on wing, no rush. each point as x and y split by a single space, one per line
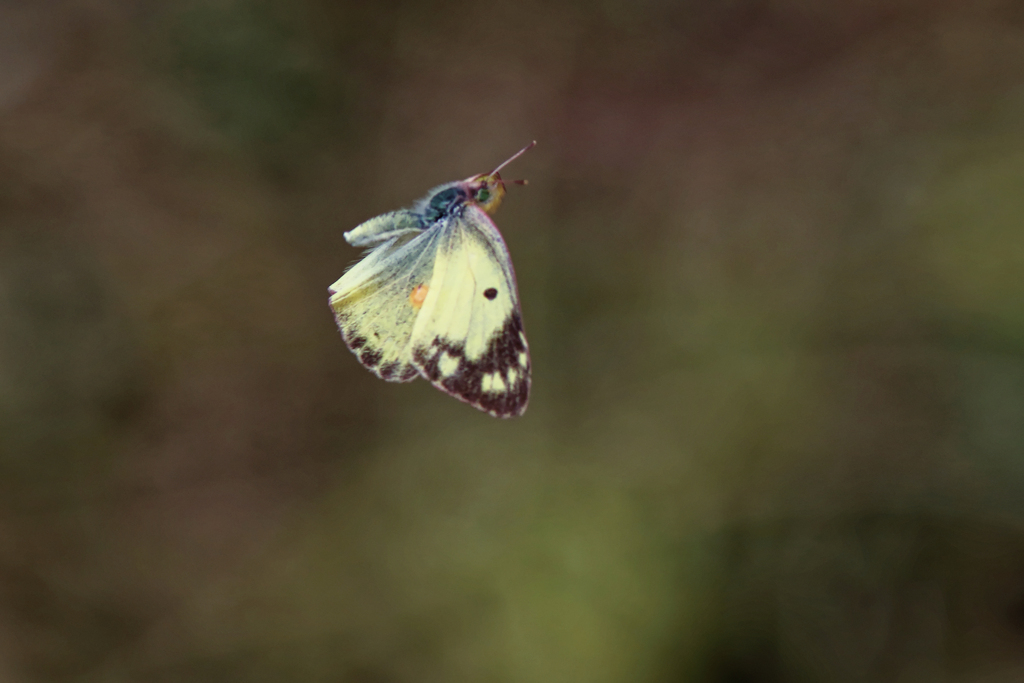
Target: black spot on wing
396 371
466 382
356 343
370 358
388 370
490 293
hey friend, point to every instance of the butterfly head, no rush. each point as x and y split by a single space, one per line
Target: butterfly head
488 189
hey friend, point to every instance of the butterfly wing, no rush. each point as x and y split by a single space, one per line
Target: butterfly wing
384 227
468 339
373 303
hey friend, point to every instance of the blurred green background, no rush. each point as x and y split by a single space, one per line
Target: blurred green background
771 261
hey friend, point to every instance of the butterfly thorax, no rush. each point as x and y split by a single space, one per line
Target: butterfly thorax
485 191
446 200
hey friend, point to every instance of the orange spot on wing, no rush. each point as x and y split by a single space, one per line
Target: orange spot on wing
418 295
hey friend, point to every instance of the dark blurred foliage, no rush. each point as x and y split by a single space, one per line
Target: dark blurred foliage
771 260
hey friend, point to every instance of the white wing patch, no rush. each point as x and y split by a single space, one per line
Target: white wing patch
448 364
493 383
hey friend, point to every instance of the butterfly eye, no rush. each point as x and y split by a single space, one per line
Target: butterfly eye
483 194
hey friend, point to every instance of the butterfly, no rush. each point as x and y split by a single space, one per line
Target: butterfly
435 296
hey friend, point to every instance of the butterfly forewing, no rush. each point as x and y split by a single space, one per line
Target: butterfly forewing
468 338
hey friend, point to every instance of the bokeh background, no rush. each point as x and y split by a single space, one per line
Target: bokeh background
771 260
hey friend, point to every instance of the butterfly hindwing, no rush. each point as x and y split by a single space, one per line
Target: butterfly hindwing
468 338
374 302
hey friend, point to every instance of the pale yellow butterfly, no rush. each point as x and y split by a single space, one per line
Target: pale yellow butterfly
435 296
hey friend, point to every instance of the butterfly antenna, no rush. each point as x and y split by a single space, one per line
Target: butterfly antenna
512 158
